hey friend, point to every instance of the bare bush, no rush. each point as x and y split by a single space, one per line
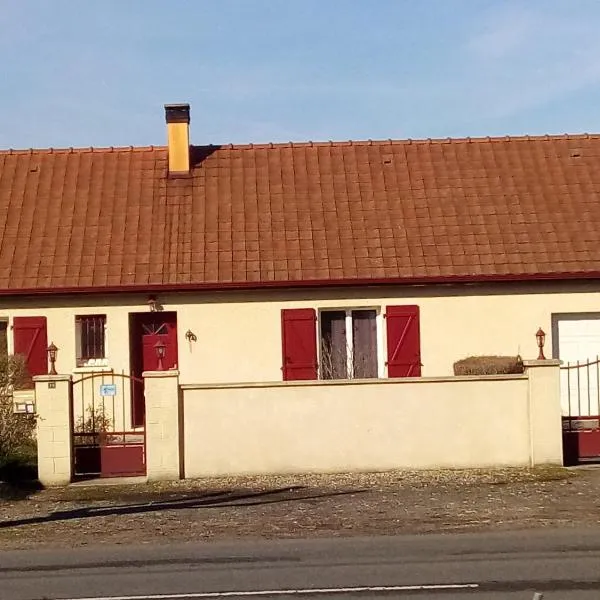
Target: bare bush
95 420
489 365
334 361
346 363
16 431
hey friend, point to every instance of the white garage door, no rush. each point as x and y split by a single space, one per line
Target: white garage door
579 341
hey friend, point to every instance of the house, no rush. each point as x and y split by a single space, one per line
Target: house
302 261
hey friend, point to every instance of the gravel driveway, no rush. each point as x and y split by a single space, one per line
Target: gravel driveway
302 506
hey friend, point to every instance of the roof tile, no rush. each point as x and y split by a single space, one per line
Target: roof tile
300 212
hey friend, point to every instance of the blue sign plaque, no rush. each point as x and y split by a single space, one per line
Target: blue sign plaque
108 389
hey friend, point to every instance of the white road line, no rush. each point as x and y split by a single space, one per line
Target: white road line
292 592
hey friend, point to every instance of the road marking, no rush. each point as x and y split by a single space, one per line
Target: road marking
293 592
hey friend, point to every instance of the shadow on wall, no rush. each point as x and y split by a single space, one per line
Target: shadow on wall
317 293
208 500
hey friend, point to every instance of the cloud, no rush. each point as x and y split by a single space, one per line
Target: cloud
503 35
520 59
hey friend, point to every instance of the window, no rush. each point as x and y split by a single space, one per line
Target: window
90 331
348 344
3 337
354 343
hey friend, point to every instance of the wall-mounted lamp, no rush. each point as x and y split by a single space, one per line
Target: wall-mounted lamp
161 350
152 304
190 336
52 351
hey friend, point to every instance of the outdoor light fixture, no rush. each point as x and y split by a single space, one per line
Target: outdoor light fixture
161 349
541 340
52 350
152 304
190 336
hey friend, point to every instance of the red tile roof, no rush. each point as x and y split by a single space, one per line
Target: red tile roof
289 214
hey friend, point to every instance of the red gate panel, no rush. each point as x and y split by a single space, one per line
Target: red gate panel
103 444
580 400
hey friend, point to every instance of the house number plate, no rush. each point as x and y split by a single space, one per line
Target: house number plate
108 389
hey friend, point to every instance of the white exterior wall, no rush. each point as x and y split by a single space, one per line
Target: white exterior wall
239 333
319 427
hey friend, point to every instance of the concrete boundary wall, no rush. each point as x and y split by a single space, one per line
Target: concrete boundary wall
373 425
326 426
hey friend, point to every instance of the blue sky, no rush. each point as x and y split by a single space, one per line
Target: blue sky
83 72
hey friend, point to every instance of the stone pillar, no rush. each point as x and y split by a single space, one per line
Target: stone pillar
545 418
54 429
163 425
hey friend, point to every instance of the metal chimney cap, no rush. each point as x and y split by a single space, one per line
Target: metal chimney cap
177 113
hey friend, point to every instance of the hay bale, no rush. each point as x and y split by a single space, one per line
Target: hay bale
489 365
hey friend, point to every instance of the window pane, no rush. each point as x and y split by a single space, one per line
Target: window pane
90 337
3 337
364 342
334 355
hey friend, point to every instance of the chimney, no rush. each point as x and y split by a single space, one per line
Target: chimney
178 138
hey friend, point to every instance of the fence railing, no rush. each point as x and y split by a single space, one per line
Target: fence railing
580 393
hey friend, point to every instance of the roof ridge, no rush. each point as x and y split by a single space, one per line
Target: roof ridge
310 143
409 141
82 150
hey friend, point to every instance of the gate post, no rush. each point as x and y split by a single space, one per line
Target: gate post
54 429
545 420
163 425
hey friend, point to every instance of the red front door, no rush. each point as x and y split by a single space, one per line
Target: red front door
147 331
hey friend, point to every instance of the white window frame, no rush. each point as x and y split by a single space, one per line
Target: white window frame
381 345
349 337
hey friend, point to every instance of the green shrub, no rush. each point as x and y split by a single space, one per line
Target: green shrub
489 365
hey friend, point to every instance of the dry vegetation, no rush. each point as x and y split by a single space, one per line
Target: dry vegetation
16 431
489 365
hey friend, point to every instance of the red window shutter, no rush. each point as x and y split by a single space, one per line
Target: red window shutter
299 340
403 341
31 340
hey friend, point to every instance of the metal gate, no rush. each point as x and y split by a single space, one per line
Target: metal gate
105 444
580 400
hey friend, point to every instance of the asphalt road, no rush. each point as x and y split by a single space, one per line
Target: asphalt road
561 564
